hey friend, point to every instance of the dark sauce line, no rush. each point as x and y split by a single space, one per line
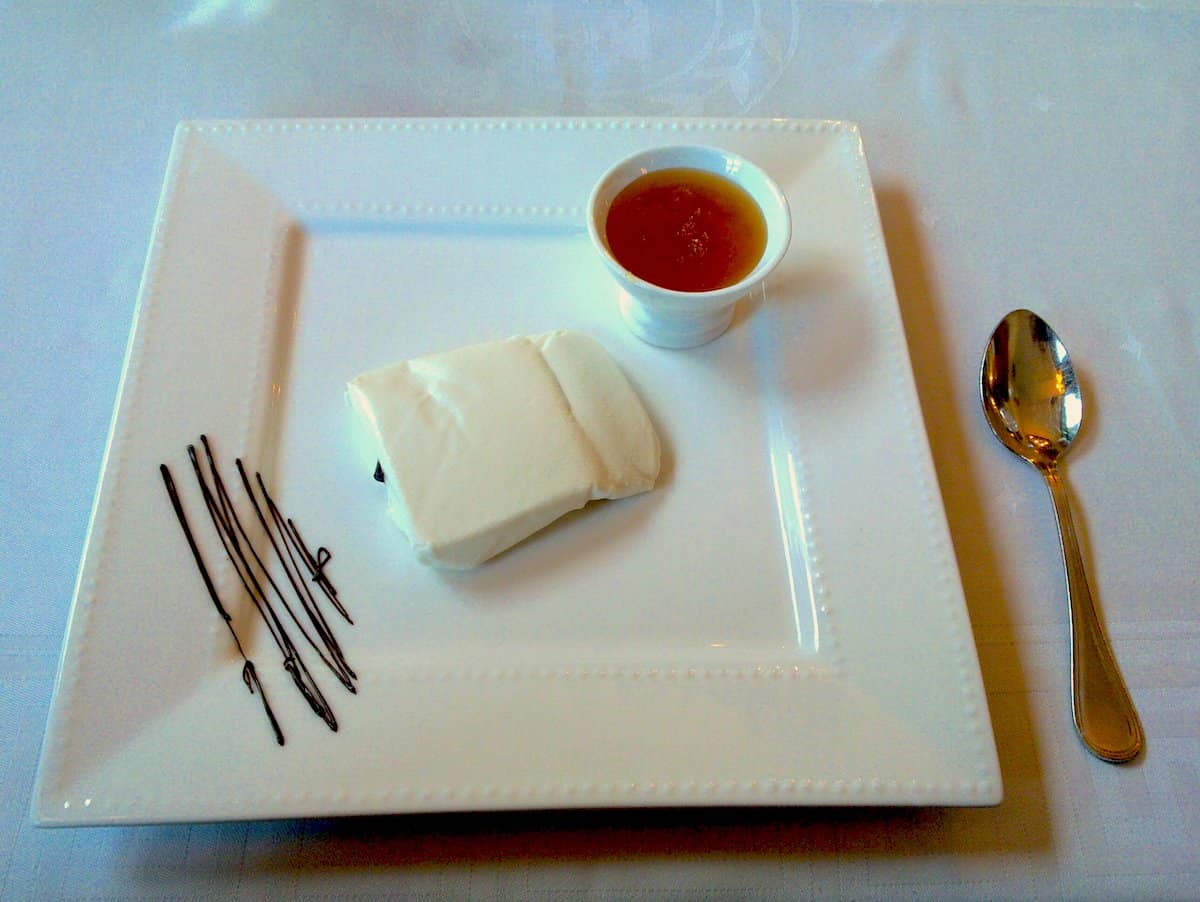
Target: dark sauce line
229 527
316 565
249 674
287 558
222 517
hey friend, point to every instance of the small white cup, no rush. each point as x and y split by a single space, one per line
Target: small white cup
684 319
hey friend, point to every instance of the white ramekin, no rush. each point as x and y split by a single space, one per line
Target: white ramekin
685 319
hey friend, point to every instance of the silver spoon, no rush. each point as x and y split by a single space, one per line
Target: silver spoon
1032 402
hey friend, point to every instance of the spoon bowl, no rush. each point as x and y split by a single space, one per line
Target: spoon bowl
1031 396
1032 402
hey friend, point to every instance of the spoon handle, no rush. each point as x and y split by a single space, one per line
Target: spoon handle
1104 714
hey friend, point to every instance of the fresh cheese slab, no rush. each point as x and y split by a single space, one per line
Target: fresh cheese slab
485 445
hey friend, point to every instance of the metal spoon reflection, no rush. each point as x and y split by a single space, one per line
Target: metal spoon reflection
1033 404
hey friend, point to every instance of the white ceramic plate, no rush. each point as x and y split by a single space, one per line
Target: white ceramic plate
781 622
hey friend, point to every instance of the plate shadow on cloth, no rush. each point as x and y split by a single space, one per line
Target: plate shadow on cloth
424 845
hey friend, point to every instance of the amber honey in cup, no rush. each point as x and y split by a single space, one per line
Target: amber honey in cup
686 229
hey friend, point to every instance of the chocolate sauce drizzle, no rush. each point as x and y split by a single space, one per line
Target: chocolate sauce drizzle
302 568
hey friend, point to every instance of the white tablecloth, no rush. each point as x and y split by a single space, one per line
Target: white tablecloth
1023 154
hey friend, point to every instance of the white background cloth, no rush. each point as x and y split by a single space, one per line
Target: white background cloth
1036 155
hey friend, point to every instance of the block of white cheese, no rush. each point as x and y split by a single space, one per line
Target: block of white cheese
482 446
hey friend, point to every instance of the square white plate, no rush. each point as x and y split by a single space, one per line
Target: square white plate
780 622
